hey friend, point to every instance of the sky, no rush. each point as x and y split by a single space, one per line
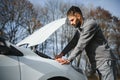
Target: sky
111 5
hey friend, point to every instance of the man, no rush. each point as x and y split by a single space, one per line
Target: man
89 37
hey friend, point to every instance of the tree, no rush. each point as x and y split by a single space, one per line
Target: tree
16 17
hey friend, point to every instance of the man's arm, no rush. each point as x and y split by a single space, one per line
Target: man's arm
89 31
71 44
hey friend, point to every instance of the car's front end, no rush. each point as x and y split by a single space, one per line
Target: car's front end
18 63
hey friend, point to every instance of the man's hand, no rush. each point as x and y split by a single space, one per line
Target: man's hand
59 56
63 61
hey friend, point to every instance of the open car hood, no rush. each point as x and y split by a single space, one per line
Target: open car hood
43 33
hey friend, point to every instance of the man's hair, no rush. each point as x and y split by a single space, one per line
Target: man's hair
74 10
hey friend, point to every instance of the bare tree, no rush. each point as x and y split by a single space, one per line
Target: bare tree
16 16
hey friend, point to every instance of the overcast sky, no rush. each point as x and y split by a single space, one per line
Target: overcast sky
111 5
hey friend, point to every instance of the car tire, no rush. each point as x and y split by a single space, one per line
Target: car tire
58 78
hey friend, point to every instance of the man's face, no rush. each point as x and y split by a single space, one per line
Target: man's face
74 21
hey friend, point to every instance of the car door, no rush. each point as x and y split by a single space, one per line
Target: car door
9 65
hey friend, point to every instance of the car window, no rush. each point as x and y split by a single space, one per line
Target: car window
11 50
15 51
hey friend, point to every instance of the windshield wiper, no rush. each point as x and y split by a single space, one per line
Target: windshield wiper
42 54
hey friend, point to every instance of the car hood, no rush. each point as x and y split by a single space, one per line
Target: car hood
43 33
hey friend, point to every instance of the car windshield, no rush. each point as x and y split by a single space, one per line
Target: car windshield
3 48
9 50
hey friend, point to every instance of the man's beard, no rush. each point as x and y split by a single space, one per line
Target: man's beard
78 25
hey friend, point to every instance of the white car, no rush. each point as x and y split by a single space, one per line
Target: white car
19 63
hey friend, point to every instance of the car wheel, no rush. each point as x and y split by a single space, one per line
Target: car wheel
58 78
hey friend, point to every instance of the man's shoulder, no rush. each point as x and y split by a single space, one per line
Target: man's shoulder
90 21
90 24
